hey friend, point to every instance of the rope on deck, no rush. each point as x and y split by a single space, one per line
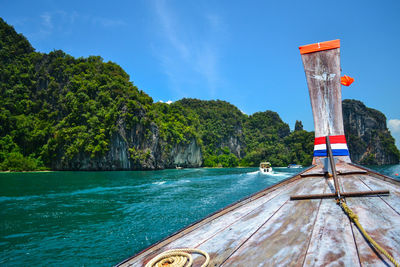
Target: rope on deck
354 218
177 258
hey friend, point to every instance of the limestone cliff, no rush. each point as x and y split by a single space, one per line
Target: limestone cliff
137 149
368 138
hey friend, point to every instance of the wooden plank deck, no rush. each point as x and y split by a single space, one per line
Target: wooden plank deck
268 229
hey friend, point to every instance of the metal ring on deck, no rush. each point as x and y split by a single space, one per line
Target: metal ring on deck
177 258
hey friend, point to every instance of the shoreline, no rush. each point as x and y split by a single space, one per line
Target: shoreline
238 167
25 171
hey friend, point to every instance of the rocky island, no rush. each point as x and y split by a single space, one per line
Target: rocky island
64 113
369 139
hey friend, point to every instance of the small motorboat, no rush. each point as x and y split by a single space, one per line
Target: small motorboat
294 166
265 167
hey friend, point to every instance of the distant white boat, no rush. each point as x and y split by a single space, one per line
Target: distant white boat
294 166
265 167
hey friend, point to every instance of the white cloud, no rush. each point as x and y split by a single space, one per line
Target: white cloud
215 22
53 21
61 21
394 127
169 26
168 102
46 26
47 20
188 59
107 22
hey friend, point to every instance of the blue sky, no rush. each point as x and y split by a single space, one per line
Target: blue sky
244 52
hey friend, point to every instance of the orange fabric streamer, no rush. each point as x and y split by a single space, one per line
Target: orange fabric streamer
346 80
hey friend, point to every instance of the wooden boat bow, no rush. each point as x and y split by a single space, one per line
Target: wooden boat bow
269 229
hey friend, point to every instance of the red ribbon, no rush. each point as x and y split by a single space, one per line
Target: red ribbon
346 80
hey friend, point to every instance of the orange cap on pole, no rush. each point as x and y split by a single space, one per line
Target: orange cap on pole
319 46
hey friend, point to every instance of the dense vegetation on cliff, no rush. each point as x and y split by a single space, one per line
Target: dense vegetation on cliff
231 138
220 131
58 112
66 113
55 106
269 138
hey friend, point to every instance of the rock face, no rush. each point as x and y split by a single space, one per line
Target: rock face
138 149
368 138
186 155
235 143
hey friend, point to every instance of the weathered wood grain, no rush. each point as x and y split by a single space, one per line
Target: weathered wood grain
380 221
322 71
332 240
283 239
341 167
393 199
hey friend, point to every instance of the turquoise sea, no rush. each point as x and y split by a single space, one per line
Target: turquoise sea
101 218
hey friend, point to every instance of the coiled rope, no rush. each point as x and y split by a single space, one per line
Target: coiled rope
354 218
177 258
